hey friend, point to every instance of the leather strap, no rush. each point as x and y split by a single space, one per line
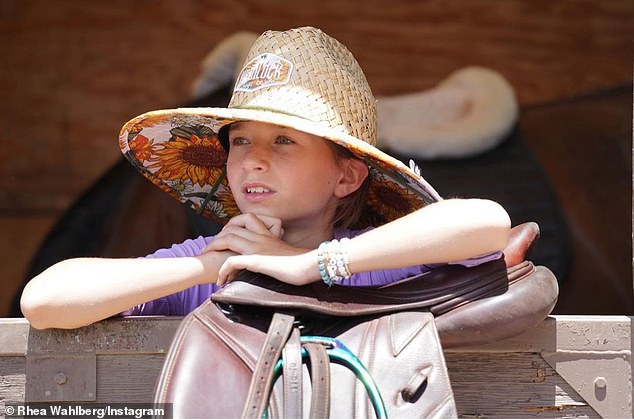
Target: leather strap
260 388
320 379
292 376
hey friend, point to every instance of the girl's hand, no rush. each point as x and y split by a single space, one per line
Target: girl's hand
258 242
294 269
257 223
247 234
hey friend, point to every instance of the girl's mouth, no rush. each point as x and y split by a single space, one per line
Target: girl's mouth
257 193
258 189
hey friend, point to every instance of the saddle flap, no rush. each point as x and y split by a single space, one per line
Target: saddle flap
414 382
187 375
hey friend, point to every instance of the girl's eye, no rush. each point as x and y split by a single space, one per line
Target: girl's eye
239 141
284 140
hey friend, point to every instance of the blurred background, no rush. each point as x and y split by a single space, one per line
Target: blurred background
73 72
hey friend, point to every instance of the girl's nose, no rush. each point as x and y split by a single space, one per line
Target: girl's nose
256 158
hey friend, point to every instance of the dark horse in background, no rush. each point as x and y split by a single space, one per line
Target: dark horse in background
124 215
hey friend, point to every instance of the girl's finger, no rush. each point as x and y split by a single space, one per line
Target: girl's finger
228 236
261 224
233 242
230 269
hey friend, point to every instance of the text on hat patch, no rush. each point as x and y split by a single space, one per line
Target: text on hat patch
263 71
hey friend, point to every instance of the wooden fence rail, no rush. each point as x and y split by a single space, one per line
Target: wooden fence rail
568 366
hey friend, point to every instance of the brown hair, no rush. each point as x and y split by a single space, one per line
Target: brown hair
351 206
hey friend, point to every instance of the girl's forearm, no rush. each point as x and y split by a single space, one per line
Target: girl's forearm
77 292
446 231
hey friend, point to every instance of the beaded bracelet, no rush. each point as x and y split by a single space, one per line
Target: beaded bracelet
332 261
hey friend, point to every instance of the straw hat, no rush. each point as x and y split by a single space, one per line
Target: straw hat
300 78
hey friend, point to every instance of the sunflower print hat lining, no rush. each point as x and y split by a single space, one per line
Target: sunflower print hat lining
300 78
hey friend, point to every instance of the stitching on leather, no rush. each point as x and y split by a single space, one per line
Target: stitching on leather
233 344
393 322
365 337
169 363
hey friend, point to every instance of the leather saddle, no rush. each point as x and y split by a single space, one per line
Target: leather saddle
227 354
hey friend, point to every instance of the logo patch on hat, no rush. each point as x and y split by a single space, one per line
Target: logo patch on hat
263 71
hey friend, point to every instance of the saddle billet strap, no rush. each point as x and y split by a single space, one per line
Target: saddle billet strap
265 373
321 351
260 388
320 379
292 357
282 339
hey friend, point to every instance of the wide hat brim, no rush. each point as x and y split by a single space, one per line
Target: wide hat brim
179 151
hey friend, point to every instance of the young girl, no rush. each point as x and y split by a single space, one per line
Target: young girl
290 169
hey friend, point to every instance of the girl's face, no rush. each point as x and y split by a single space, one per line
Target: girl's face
283 173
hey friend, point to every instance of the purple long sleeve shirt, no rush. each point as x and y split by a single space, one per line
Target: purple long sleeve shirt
185 301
